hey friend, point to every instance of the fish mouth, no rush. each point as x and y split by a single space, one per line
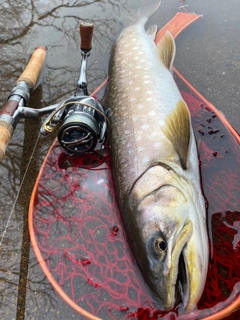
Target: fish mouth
178 285
182 283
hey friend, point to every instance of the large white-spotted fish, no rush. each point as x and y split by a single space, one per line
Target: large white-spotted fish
155 168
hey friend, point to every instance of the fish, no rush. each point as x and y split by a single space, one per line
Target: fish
155 168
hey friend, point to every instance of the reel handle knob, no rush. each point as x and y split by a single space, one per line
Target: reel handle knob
86 35
34 67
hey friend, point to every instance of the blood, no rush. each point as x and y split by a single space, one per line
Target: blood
122 308
92 283
115 231
85 262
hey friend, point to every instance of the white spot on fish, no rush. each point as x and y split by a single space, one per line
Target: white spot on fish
157 145
146 160
134 160
145 127
154 134
149 99
149 92
152 113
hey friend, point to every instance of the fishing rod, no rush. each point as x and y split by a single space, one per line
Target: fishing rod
84 124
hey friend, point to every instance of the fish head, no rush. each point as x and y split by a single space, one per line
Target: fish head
173 262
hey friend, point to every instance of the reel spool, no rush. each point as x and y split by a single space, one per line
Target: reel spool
84 126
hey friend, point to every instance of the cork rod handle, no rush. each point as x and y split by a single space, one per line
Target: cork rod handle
6 131
34 67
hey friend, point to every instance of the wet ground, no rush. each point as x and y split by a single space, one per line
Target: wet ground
207 56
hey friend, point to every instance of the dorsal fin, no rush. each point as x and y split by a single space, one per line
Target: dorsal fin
167 50
177 130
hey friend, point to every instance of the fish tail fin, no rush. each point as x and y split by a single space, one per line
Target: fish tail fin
167 50
139 11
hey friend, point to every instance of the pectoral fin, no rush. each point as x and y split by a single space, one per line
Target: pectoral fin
177 130
167 50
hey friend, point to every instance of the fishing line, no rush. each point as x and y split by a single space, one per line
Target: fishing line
19 190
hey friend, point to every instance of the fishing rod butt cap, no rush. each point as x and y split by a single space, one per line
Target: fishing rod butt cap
42 48
6 131
34 67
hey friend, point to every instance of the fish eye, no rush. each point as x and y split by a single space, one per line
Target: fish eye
161 245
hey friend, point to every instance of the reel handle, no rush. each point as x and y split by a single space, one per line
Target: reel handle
34 67
86 35
30 76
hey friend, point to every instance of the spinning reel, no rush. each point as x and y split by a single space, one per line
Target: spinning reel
85 126
84 123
